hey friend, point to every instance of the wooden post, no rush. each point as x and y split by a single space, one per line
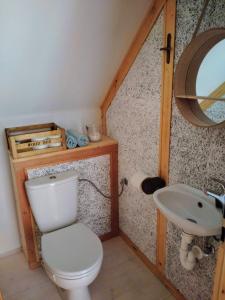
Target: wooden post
166 111
219 279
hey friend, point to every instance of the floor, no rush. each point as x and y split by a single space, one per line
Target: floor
123 277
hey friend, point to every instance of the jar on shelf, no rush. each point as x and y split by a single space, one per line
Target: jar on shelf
93 133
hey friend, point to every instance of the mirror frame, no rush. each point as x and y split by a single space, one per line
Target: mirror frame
186 74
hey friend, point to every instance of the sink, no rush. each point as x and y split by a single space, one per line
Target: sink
190 209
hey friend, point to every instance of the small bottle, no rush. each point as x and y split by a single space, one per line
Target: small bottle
93 133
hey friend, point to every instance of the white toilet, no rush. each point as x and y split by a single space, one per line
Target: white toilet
72 254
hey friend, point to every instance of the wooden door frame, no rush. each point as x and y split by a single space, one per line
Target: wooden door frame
165 124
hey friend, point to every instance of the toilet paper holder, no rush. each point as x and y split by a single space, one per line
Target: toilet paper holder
146 184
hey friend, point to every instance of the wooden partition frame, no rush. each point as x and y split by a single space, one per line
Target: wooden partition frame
166 98
166 103
19 173
165 124
165 120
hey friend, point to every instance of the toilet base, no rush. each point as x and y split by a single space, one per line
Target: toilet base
81 294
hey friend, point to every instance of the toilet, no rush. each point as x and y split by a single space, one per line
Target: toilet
71 253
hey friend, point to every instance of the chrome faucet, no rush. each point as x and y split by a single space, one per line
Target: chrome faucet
220 198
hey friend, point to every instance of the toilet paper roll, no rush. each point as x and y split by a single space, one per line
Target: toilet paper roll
144 183
137 179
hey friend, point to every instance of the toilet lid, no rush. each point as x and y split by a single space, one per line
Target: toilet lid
71 251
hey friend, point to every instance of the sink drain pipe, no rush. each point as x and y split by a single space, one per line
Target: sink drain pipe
188 258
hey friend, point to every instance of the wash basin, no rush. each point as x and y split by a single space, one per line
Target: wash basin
190 209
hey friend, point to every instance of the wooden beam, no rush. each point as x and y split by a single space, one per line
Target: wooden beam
128 60
114 191
194 98
219 279
219 91
165 124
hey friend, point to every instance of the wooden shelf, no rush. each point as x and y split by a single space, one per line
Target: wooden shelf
193 97
106 141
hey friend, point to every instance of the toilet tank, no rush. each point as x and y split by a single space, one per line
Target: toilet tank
53 200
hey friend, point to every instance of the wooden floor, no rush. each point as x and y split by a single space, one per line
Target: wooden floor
123 277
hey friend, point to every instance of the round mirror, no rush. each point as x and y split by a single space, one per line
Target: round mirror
199 84
210 82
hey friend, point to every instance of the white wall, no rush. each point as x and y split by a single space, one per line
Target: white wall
9 238
61 53
57 60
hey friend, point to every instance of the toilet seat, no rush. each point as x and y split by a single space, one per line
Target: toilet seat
71 252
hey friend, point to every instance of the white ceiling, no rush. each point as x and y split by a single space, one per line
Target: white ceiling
62 54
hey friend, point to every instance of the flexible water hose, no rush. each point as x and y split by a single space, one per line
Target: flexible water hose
122 183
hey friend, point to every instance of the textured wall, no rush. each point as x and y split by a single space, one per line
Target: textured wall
133 119
216 112
196 154
93 209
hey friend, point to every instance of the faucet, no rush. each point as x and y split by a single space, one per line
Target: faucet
218 198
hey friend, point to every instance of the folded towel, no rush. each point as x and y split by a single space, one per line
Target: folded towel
82 140
71 141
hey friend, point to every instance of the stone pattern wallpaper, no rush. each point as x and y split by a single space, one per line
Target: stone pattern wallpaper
196 154
134 120
216 112
93 209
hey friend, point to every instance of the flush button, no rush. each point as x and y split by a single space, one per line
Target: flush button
52 177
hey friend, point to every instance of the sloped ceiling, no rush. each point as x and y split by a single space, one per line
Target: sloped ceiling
62 54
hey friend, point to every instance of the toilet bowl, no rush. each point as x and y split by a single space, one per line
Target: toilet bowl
72 258
71 254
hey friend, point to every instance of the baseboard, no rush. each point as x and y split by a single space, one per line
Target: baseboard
108 236
11 252
173 290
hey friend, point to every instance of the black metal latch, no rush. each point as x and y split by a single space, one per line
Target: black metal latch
167 48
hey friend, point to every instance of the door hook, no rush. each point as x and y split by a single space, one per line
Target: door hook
167 48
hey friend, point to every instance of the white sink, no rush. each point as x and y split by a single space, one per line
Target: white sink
190 209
